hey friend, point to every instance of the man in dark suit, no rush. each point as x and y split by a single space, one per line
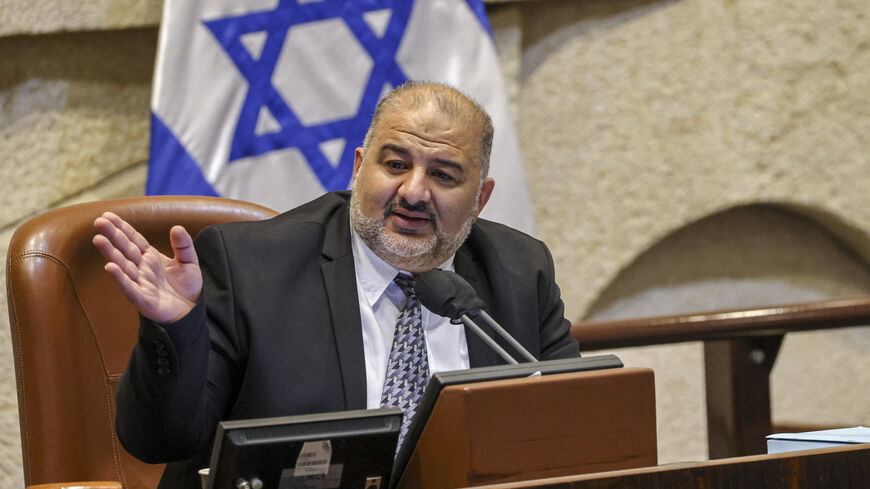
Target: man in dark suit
296 314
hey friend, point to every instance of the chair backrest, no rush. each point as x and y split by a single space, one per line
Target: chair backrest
73 331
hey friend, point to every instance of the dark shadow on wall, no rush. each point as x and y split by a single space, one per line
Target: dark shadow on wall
747 256
115 57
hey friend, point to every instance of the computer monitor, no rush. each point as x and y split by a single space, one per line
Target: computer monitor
441 380
348 449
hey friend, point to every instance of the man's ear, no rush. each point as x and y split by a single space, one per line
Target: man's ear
485 194
357 162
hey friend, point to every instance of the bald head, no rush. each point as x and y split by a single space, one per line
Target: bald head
451 102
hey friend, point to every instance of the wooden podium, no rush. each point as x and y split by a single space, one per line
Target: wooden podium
536 427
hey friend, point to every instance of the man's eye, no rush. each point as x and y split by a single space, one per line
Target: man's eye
440 175
396 165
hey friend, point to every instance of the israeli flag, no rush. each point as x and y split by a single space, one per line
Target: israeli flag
266 100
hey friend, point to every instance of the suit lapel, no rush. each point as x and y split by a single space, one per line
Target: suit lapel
339 279
479 353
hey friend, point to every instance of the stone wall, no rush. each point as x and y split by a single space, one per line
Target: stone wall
75 85
638 119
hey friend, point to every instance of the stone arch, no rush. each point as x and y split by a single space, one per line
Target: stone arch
744 256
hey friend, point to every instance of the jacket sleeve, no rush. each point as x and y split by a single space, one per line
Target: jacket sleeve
181 377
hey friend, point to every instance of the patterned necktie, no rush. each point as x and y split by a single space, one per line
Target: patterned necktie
407 367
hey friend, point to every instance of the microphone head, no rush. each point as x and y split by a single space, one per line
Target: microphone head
447 294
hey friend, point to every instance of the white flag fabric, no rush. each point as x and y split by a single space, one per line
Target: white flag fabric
266 100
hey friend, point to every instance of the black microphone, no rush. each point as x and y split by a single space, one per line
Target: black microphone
447 294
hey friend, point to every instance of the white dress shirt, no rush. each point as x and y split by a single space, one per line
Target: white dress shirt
380 301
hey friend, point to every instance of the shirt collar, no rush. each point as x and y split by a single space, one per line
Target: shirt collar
373 274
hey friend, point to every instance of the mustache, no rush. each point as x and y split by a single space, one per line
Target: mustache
401 203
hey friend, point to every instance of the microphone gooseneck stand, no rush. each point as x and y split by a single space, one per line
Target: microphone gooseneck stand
447 294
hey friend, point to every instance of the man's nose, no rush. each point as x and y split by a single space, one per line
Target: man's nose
415 187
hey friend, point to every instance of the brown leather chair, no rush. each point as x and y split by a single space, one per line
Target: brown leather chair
73 331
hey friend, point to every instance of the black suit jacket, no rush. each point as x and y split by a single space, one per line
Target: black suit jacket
278 332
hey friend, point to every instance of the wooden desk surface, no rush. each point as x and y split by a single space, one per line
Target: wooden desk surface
835 468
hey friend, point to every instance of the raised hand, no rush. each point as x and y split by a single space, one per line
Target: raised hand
164 289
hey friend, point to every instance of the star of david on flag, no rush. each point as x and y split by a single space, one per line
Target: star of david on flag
266 100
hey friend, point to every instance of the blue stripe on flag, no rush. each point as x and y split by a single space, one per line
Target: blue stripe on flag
172 171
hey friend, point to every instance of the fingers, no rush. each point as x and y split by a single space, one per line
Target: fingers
114 257
129 231
122 236
182 245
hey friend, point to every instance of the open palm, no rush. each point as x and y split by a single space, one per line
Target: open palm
164 289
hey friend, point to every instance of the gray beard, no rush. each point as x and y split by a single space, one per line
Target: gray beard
408 253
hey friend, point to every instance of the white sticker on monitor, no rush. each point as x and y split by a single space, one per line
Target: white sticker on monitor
290 479
314 458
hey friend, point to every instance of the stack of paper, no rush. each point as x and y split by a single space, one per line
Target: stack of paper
789 442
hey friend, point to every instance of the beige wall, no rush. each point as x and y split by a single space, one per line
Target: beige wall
638 119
